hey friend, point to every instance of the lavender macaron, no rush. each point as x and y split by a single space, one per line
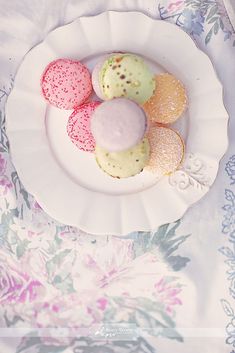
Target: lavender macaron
118 124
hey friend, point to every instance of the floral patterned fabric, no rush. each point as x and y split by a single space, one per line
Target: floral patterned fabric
173 288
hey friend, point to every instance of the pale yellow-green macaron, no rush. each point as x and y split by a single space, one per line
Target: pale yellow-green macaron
126 163
125 75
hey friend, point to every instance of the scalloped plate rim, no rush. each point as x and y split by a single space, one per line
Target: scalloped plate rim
172 218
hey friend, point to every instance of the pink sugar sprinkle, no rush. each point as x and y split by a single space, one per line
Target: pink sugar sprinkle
78 127
60 84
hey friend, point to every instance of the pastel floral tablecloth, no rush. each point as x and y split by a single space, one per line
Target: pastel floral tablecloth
181 276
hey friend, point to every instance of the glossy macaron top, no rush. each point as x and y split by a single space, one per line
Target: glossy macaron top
118 124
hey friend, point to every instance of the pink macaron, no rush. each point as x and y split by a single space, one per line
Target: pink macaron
78 127
66 83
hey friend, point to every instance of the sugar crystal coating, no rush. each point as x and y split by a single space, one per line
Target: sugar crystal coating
169 100
167 150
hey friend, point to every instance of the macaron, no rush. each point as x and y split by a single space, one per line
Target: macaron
126 163
78 126
169 100
95 77
167 150
66 83
124 75
118 124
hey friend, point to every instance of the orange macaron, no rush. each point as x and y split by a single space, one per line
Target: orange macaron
169 100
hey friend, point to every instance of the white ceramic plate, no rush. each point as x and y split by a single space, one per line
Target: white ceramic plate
67 182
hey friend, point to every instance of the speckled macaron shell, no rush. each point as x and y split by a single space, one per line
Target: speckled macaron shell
78 127
169 100
126 163
66 83
167 150
118 124
127 75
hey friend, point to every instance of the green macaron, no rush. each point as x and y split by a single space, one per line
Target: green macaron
127 75
125 163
